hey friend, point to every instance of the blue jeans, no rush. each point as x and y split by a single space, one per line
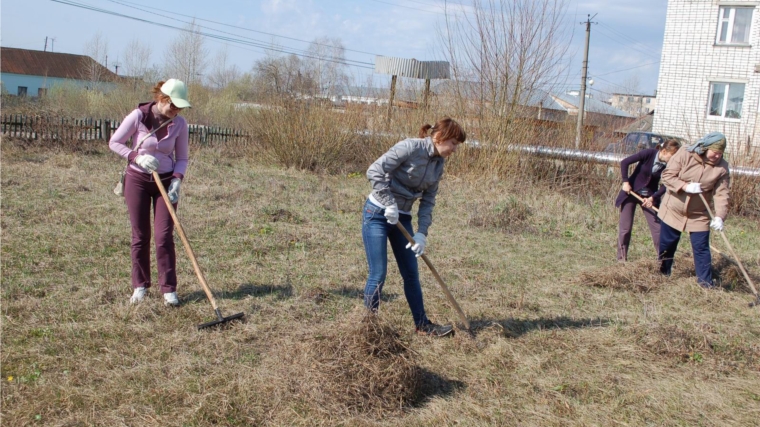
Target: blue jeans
376 232
700 246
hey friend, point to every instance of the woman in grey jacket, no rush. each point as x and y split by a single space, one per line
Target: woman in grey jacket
410 170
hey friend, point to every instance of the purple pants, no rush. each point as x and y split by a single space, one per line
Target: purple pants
625 225
140 194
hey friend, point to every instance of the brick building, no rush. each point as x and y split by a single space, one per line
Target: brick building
710 72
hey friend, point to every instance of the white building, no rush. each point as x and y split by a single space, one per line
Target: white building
710 72
635 104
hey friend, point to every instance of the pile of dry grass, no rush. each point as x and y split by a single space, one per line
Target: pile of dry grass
640 276
362 366
644 275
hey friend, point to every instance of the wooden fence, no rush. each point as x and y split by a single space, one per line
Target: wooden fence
88 129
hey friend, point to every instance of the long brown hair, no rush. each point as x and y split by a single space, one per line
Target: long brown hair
443 130
670 145
158 95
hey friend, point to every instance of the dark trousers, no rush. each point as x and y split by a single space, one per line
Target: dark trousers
376 233
625 225
141 194
700 246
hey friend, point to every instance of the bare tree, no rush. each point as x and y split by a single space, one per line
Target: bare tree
282 76
503 54
327 63
136 59
92 68
186 57
221 73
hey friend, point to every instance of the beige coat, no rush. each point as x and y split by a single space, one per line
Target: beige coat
684 211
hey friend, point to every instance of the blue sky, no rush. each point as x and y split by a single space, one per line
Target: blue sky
625 44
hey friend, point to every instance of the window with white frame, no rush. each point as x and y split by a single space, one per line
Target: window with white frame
733 25
726 100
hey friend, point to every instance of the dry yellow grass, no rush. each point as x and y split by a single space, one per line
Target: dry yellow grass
284 246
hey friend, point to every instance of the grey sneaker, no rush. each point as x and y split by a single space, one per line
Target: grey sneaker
433 330
138 295
170 299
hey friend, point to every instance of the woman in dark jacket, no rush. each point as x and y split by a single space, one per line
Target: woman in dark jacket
644 181
409 171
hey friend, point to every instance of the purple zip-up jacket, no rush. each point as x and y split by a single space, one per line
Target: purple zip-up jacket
171 151
642 175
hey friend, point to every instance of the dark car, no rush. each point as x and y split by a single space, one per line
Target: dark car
637 141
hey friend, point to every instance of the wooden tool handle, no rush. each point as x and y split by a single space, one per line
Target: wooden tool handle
731 249
185 242
446 291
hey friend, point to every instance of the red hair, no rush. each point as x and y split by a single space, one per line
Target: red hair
158 95
444 130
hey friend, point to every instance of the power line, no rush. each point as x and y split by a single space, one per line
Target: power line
213 36
152 9
627 45
233 34
630 68
624 36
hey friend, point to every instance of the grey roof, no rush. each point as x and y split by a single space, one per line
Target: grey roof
537 98
593 105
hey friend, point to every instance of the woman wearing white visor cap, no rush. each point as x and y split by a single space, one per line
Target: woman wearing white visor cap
162 136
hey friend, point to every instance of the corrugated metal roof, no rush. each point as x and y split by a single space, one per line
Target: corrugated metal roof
412 68
49 64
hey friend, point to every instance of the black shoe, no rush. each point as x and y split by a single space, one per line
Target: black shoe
433 330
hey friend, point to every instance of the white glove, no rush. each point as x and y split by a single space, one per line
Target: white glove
173 190
693 188
391 214
147 162
717 224
419 244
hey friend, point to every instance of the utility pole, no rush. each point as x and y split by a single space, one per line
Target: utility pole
45 49
584 74
52 45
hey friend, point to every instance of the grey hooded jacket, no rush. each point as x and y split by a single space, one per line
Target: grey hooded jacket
410 170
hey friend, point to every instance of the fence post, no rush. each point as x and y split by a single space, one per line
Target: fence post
105 130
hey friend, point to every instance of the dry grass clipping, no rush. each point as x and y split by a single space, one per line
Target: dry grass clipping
362 366
644 275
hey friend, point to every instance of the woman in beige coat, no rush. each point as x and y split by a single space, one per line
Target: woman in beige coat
698 168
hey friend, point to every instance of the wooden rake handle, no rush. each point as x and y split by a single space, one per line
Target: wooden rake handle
185 242
446 291
731 249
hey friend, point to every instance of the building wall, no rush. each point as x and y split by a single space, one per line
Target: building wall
11 83
691 60
636 105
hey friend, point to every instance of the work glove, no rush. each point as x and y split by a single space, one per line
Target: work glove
419 245
391 213
147 162
717 224
693 188
173 190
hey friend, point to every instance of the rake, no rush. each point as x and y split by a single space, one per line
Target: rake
754 303
438 278
219 318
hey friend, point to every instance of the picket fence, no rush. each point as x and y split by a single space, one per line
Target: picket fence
88 129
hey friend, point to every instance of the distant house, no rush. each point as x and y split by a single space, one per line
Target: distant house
26 72
597 113
632 103
710 72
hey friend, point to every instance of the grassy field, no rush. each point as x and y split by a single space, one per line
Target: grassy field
285 247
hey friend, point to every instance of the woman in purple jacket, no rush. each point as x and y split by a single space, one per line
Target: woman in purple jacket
644 181
164 149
